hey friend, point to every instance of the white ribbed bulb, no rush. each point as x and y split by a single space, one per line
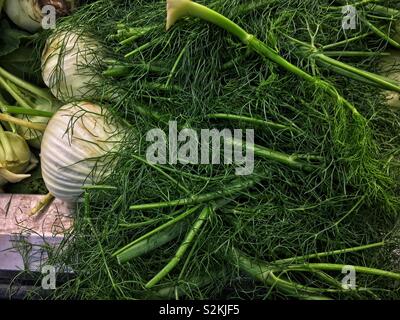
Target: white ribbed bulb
66 62
74 148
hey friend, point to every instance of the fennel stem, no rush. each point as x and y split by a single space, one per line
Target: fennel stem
188 7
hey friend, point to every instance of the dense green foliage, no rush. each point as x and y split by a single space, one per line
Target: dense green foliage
197 70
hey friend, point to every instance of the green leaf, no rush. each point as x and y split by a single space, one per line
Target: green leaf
10 39
22 63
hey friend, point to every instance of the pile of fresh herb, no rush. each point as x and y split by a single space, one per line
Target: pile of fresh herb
324 191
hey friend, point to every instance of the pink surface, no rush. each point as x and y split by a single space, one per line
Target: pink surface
48 227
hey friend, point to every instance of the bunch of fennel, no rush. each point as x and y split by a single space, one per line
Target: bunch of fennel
198 229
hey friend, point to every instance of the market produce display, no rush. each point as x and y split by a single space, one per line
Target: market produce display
275 126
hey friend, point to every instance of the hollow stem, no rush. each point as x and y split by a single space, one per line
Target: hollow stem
280 157
355 54
44 202
255 121
346 69
141 48
123 70
155 231
152 242
133 34
330 253
196 199
339 267
28 112
194 230
99 187
26 85
264 274
175 66
178 9
346 41
381 34
380 81
390 12
3 108
14 92
23 123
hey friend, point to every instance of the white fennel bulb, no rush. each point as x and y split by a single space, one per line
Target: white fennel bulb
74 149
28 15
15 158
390 68
67 62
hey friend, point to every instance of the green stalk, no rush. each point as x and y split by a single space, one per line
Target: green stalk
178 9
99 187
346 41
339 267
27 112
254 121
385 19
346 69
354 76
355 54
141 48
147 112
155 231
117 71
43 203
379 80
330 253
26 85
390 12
175 66
260 151
3 108
280 157
14 92
23 123
138 225
265 275
151 243
123 70
202 198
194 230
382 35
